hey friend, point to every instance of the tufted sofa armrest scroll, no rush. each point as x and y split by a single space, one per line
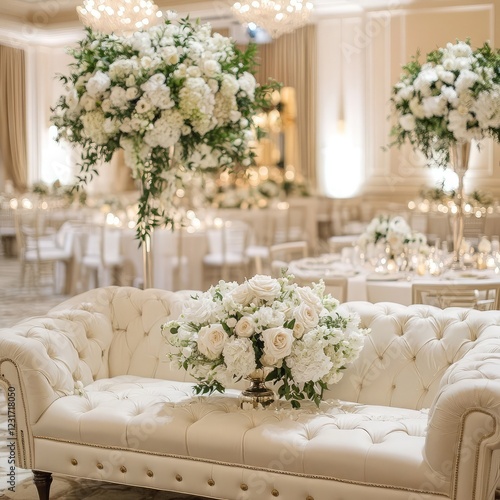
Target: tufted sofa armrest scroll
465 417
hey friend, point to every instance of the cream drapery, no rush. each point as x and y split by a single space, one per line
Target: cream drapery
13 115
291 60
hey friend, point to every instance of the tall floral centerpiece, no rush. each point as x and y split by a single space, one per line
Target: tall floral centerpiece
444 104
295 335
174 97
394 235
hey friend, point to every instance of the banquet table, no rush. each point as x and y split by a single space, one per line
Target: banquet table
364 284
166 259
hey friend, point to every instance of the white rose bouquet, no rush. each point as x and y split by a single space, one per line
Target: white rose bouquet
454 96
392 231
173 97
295 333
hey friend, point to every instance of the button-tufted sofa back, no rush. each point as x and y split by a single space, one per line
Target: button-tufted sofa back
409 349
117 330
136 346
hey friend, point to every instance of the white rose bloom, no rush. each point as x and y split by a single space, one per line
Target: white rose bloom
267 360
307 296
465 80
407 121
211 68
449 93
306 315
198 310
446 76
131 93
264 287
211 340
184 333
98 84
406 93
278 342
170 55
244 327
241 294
193 72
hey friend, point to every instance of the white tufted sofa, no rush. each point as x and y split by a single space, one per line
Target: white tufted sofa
417 417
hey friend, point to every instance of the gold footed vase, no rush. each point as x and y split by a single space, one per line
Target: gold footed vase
459 159
257 396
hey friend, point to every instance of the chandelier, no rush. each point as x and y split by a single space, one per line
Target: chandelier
277 17
119 16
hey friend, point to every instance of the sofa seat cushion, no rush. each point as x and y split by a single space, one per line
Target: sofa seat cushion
345 441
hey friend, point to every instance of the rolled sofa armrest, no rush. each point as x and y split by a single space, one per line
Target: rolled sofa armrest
464 423
43 359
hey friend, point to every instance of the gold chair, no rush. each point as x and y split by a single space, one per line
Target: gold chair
281 254
289 251
482 296
285 225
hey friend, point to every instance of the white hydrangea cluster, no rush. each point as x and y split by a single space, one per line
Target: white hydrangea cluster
452 97
170 85
297 333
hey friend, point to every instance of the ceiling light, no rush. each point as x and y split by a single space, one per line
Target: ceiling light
119 16
277 17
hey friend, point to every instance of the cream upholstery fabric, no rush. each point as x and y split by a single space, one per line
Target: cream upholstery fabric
416 416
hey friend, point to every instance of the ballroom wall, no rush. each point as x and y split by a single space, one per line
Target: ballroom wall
360 54
360 58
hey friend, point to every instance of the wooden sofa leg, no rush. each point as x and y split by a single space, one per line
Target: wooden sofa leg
42 482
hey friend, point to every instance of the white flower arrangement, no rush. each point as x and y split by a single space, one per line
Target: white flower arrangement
173 97
295 333
393 232
453 97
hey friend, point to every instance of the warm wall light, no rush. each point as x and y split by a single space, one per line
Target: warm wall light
277 17
119 16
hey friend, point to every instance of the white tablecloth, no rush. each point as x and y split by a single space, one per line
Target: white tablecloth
165 260
367 286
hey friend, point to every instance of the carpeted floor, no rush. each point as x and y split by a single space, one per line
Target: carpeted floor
17 303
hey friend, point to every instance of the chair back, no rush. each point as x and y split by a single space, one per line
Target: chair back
289 225
289 251
229 239
482 296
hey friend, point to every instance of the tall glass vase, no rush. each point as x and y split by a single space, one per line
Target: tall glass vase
459 159
147 255
147 261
